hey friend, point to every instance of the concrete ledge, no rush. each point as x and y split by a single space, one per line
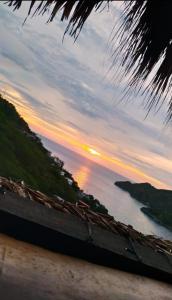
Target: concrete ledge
29 272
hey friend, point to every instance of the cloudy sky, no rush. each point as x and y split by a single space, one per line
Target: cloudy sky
65 93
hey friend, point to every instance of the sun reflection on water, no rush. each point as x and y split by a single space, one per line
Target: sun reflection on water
82 176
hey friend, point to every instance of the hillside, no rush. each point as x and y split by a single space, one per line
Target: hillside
158 202
23 157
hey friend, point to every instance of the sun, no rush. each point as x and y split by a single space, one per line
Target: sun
93 152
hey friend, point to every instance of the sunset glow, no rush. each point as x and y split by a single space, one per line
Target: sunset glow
72 139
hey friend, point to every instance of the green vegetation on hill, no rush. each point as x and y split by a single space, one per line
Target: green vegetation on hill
158 202
23 157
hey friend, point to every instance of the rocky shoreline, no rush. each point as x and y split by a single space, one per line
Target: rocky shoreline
147 212
157 202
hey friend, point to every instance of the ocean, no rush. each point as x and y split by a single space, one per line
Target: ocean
99 181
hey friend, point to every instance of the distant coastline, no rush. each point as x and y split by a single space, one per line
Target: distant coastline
157 202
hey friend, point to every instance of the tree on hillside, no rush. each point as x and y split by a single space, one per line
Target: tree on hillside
146 38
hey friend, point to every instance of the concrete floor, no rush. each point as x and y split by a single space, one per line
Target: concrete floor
31 273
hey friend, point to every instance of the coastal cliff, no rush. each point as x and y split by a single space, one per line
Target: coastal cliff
157 202
23 158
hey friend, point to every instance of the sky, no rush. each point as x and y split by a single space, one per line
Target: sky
65 91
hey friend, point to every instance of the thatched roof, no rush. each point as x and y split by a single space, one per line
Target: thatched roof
83 211
149 42
146 38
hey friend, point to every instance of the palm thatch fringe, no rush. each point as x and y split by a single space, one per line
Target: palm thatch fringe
146 38
146 42
76 11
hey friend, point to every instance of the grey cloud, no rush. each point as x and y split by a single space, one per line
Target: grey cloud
77 127
15 58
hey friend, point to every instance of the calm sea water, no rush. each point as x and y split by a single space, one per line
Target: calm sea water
99 181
